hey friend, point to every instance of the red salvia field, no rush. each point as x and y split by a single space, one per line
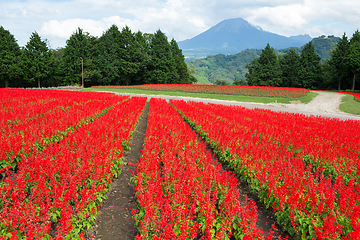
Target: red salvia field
305 168
223 89
62 174
61 150
181 189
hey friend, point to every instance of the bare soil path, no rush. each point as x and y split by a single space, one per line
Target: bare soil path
114 220
324 102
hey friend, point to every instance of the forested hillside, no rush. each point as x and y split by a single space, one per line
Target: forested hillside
233 67
289 68
118 57
220 67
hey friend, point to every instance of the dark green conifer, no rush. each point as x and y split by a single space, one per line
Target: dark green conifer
162 67
310 74
9 58
38 63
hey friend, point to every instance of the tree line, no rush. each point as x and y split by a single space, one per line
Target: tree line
115 58
231 69
305 69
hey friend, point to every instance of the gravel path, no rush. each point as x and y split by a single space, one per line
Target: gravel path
326 104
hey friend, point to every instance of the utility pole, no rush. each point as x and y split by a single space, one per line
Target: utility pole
82 72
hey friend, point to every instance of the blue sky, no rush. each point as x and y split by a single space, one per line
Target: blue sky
56 20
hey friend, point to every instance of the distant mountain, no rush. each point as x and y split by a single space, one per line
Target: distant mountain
323 44
232 67
234 35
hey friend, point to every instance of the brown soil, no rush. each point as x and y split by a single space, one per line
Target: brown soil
114 220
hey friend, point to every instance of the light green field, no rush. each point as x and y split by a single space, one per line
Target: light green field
305 99
350 105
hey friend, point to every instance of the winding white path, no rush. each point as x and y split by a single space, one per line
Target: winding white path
325 104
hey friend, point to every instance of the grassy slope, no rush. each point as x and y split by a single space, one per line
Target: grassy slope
350 105
305 99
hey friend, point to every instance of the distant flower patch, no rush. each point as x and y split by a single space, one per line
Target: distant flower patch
258 91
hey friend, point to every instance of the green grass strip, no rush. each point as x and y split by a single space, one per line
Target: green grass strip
304 99
350 105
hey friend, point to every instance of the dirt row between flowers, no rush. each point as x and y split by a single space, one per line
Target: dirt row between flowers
115 221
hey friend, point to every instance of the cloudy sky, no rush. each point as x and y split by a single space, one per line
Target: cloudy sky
56 20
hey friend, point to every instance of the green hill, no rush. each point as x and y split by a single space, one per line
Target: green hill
232 67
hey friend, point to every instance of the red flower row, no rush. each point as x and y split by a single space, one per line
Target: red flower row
182 192
56 191
262 146
332 144
32 118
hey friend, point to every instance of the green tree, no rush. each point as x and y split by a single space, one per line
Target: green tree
265 70
353 56
290 66
338 61
240 82
221 82
181 66
330 80
38 62
120 58
133 56
9 56
144 41
57 55
78 46
107 58
162 67
310 73
192 71
252 76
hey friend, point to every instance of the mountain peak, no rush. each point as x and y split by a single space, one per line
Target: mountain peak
234 25
231 36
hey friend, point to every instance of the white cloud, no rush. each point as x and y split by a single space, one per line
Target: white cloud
8 15
180 19
308 17
288 19
63 29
